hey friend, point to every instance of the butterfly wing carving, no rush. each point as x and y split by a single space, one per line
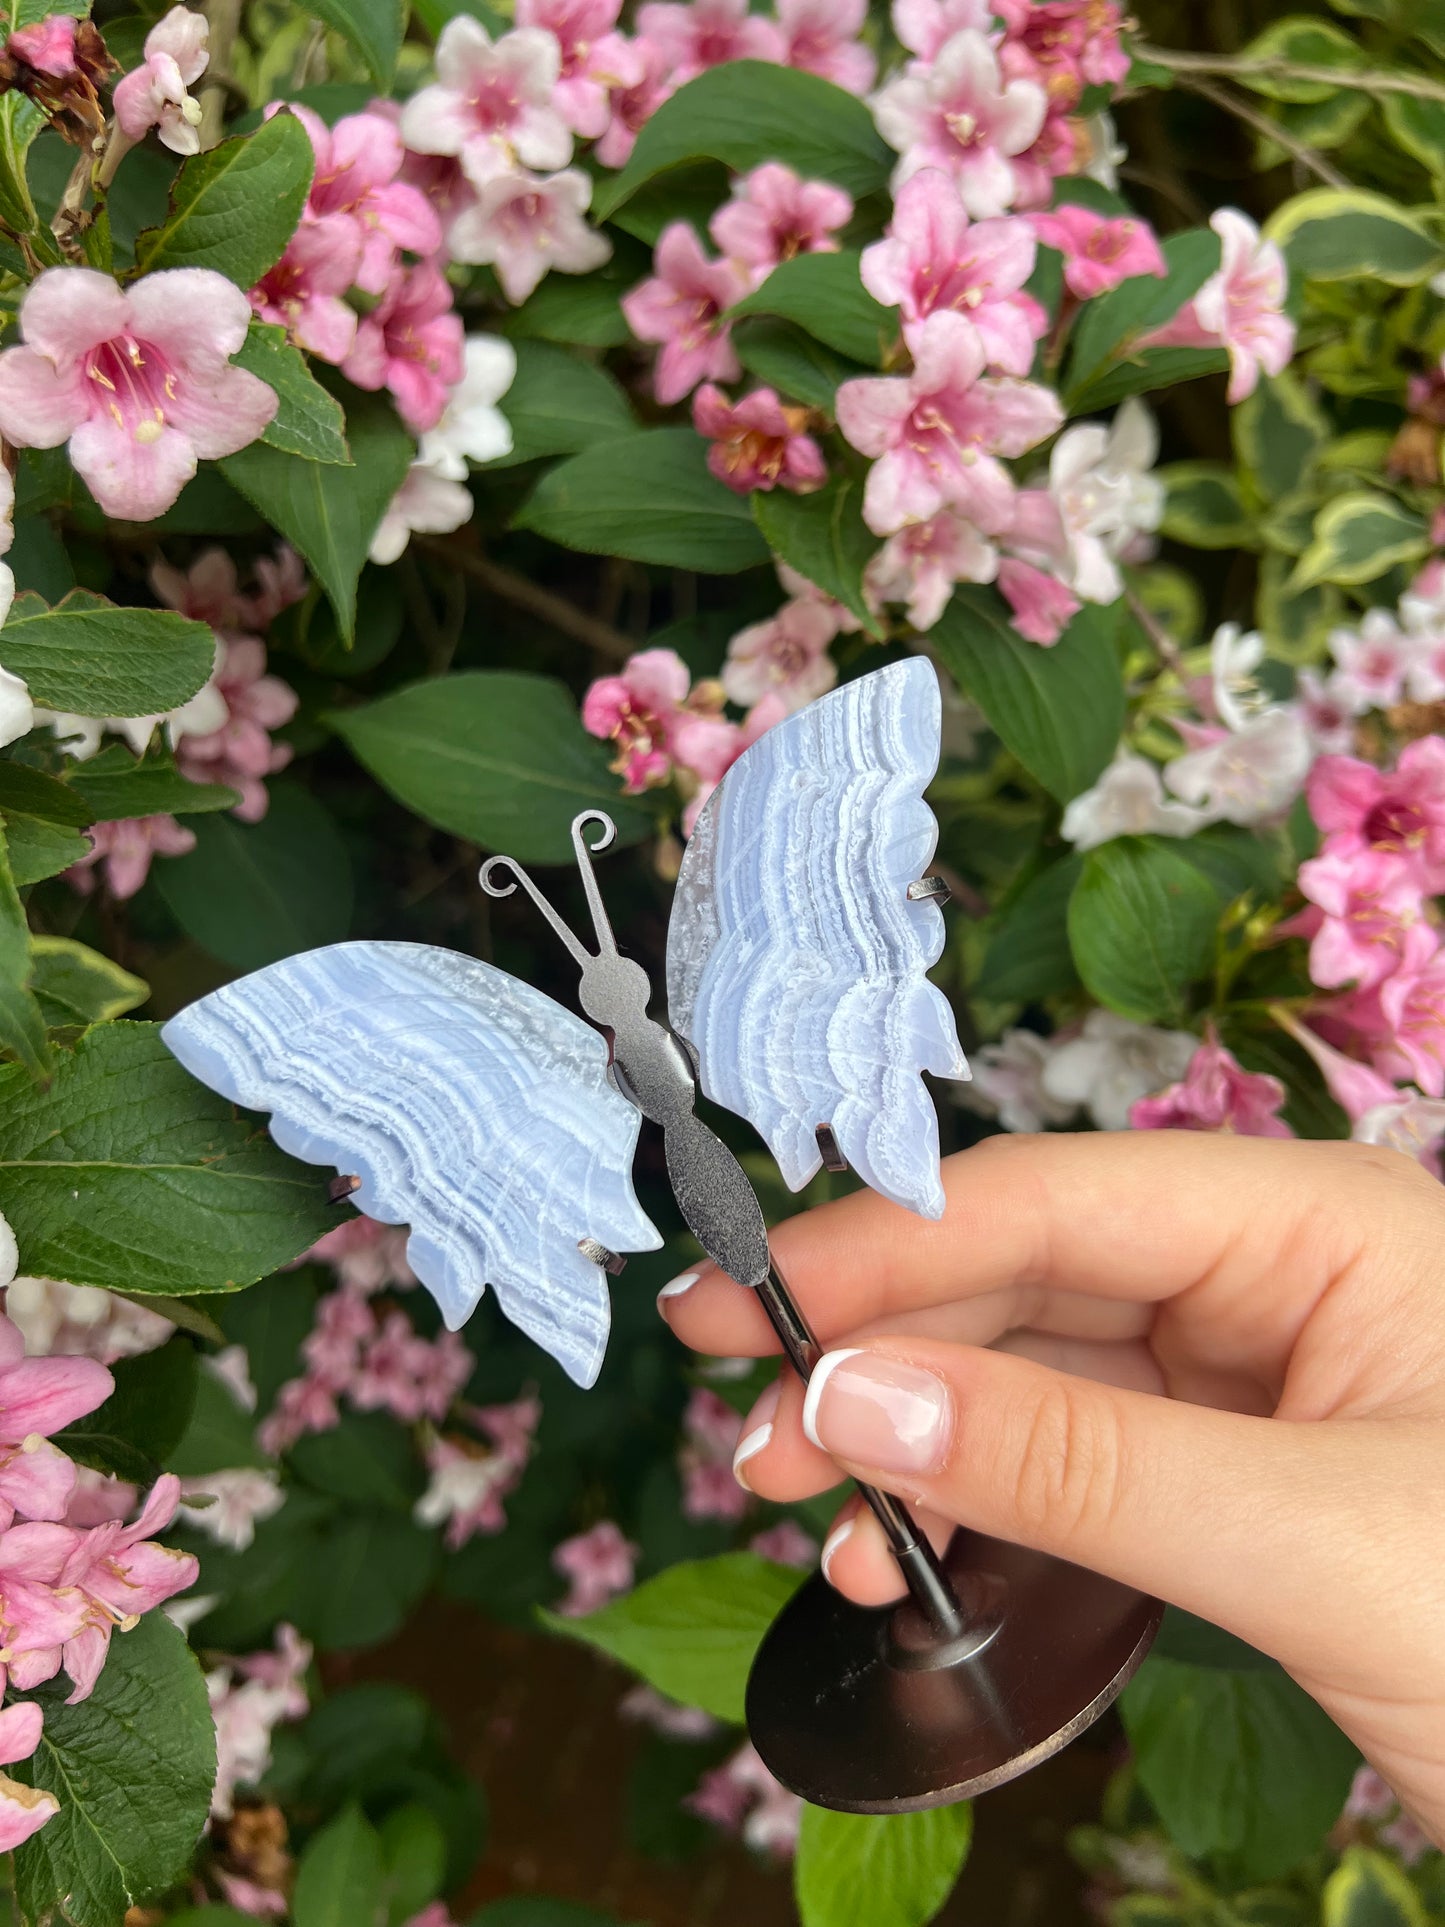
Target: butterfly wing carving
796 963
473 1108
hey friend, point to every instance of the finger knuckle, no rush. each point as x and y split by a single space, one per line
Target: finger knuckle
1068 1472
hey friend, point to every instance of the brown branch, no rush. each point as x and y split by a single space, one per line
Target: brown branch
537 601
1272 130
224 17
1369 80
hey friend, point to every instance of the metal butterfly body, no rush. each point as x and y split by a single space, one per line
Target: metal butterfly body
501 1128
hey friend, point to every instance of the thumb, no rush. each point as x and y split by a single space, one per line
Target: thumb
1236 1519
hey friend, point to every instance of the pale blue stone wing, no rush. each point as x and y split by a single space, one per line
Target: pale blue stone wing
796 960
472 1107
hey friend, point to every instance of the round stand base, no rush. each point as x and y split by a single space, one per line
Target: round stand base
860 1709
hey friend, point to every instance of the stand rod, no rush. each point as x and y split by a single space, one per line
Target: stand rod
927 1581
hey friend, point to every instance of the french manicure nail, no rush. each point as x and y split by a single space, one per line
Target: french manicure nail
684 1281
839 1536
757 1435
877 1411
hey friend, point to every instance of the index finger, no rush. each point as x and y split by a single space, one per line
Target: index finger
1143 1217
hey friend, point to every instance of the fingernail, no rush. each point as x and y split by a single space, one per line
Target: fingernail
760 1430
877 1411
684 1281
840 1534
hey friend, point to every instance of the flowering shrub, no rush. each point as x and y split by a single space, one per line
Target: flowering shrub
421 425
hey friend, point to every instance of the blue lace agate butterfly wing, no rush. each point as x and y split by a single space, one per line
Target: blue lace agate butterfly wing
478 1111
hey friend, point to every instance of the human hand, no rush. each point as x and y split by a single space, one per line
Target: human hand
1210 1367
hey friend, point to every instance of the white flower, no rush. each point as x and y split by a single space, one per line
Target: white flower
240 1498
473 428
1106 497
426 504
1249 775
1371 662
1113 1063
82 1321
1127 800
1104 152
80 736
1233 658
1413 1124
17 712
1008 1083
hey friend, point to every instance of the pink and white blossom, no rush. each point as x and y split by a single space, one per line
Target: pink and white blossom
1107 496
1412 1003
1066 45
1127 800
124 851
1042 605
427 503
637 711
1112 1063
786 1544
711 1428
250 1697
933 258
156 93
595 58
1329 719
1245 776
1099 250
822 37
597 1564
524 225
232 1503
1240 307
758 442
1373 922
786 657
634 101
774 215
138 381
682 308
1399 812
707 33
1008 1083
303 292
925 26
1216 1094
921 564
1406 1122
1371 663
80 1321
411 344
935 434
492 104
366 1256
472 428
24 1810
958 113
241 752
358 168
743 1796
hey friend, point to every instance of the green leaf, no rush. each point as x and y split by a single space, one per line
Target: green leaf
1277 431
20 122
1028 953
572 309
1205 508
252 893
234 207
89 657
414 1857
823 294
329 514
1357 537
219 1433
1243 1767
824 537
1419 127
1141 926
1343 234
1059 710
1110 323
132 1767
74 984
129 1174
113 785
145 1417
1368 1889
748 112
649 497
308 422
22 1029
1295 626
792 361
40 849
367 1460
559 403
492 755
693 1630
338 1882
30 792
1299 42
1143 371
362 1577
374 28
891 1870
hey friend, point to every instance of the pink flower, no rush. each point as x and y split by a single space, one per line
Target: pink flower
1240 307
209 591
367 1256
786 1544
926 26
706 747
1371 663
250 1896
743 1795
821 37
1372 923
125 849
707 34
709 1489
39 1396
1099 252
138 381
774 215
598 1566
1403 813
466 1489
681 308
23 1810
492 103
1216 1095
155 95
932 259
36 1615
595 58
1329 719
411 343
1066 45
1406 1122
1356 1088
302 293
637 711
634 102
936 434
241 752
303 1405
1043 607
1248 775
786 656
357 165
960 115
757 443
47 45
525 224
1412 1003
921 563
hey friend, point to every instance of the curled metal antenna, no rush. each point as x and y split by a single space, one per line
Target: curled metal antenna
492 879
606 942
